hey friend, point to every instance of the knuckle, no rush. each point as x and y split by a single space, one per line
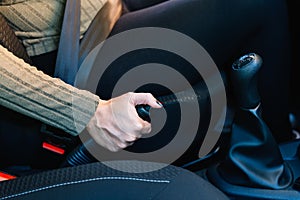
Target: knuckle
138 126
131 139
112 149
149 95
122 145
129 94
149 129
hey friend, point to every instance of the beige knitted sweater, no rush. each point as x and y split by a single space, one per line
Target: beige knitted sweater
26 90
38 22
29 91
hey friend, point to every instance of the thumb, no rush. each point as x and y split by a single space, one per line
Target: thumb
146 98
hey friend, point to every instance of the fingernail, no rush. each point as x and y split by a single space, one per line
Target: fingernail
160 104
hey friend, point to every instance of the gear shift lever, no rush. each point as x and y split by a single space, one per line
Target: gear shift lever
254 159
244 75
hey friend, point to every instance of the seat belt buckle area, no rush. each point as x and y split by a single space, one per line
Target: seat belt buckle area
57 141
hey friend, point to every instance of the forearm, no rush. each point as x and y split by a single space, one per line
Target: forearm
32 93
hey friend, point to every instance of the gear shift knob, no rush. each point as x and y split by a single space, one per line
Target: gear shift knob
244 75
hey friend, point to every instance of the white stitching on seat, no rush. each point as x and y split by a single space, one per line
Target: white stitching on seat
85 181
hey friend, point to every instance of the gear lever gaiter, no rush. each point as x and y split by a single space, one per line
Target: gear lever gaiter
254 159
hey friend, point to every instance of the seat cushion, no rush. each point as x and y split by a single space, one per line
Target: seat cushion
98 181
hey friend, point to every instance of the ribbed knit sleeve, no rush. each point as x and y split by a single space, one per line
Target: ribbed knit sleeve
37 23
31 92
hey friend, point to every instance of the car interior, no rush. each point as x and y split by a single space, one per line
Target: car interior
245 163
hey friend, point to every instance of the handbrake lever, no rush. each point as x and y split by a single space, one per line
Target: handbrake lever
81 155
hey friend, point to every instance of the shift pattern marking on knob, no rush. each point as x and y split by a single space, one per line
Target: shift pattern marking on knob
243 61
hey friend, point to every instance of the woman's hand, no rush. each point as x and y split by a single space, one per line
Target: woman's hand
116 123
